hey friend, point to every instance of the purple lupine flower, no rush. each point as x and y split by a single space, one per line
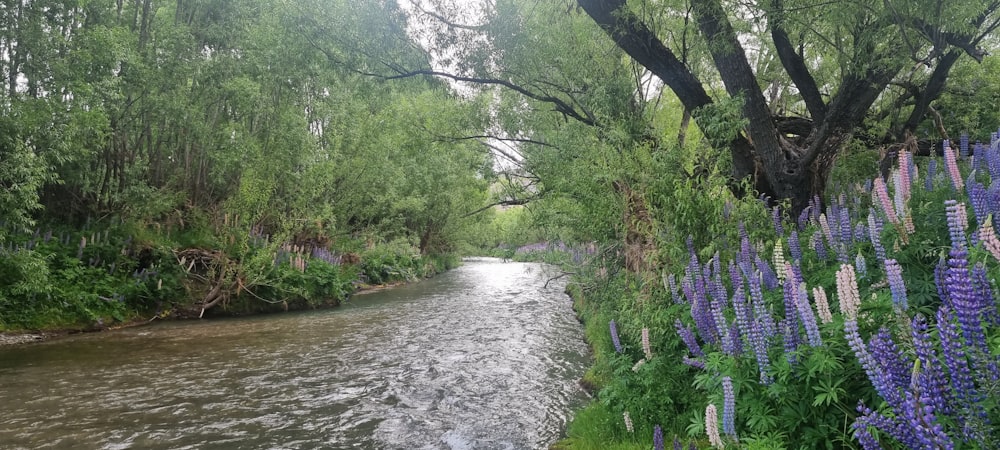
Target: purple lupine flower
716 307
776 218
880 381
790 338
704 321
807 316
697 364
677 443
674 289
735 336
993 162
993 196
803 219
687 335
962 297
894 428
817 243
979 197
657 438
930 380
860 232
860 265
728 408
846 231
759 330
614 336
761 312
931 169
894 273
955 358
985 294
890 361
735 277
794 247
768 276
863 436
963 145
875 233
920 418
741 310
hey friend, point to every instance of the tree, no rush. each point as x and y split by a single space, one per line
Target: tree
869 44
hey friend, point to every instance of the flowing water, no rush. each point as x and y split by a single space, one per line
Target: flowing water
481 357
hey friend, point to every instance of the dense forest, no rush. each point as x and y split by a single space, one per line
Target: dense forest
158 151
778 215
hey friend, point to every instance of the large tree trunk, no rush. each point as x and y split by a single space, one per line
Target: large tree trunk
780 167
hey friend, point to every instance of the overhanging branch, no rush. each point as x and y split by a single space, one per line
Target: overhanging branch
561 106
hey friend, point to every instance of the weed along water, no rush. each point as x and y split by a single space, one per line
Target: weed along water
482 357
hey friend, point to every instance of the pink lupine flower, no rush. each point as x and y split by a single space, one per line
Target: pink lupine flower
881 194
712 426
822 304
847 291
825 226
989 238
951 164
903 187
898 199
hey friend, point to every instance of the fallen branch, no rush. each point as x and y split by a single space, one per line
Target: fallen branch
557 277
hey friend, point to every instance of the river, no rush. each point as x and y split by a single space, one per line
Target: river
481 357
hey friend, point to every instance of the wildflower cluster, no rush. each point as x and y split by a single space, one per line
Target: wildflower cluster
912 363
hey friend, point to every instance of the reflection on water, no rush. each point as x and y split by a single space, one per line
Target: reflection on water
482 357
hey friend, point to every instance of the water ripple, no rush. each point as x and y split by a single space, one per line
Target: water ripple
482 357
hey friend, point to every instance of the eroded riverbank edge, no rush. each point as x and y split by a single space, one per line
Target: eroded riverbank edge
27 337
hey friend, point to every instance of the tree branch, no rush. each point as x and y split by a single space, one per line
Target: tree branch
640 43
561 106
795 65
512 202
637 40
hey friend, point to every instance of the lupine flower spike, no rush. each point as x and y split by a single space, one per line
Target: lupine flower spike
847 292
822 304
614 337
951 166
881 197
989 238
712 426
645 344
728 408
779 259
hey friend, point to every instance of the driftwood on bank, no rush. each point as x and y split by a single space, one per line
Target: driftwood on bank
211 267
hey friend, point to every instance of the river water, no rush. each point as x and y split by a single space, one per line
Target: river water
481 357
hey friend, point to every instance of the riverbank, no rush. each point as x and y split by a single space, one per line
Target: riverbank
22 337
115 275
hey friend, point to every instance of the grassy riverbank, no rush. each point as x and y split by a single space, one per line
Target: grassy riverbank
107 274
